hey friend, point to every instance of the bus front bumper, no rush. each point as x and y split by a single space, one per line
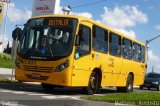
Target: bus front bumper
55 78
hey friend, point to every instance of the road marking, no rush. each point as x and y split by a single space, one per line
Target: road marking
19 92
32 83
49 97
55 97
15 92
76 98
42 95
61 97
3 90
37 94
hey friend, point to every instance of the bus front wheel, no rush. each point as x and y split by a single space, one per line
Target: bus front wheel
47 86
93 86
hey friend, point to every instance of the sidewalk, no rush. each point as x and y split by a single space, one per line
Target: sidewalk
5 73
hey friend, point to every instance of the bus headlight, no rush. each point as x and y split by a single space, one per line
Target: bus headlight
62 66
18 64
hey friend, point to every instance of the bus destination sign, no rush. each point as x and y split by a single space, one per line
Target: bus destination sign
58 22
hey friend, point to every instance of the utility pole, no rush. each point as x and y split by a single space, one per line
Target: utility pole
147 42
153 69
5 24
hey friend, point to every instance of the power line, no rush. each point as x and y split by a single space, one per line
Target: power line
83 5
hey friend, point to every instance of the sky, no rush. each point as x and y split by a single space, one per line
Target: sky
139 19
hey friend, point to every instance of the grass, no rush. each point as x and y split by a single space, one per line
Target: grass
5 61
143 99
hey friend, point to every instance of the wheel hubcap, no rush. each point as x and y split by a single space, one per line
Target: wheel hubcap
129 87
93 81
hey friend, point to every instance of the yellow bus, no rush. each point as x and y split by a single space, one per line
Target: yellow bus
74 51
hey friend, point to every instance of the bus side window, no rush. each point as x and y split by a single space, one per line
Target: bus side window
127 49
84 41
100 39
137 52
143 53
115 45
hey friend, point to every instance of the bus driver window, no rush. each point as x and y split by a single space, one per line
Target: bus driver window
84 42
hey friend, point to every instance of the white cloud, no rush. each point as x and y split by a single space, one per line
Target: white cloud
15 14
157 27
153 57
27 14
129 33
98 21
153 60
122 17
158 67
84 14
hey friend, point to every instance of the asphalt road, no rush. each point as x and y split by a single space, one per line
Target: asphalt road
27 94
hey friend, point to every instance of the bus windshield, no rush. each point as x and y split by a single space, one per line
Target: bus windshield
47 38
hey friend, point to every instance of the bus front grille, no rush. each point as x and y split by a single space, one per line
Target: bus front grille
37 68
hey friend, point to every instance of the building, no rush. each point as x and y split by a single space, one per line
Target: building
1 50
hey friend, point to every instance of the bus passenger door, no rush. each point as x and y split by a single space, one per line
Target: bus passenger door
82 65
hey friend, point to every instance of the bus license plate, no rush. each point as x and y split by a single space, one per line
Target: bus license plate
35 75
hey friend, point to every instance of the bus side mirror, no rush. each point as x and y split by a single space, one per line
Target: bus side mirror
77 41
16 34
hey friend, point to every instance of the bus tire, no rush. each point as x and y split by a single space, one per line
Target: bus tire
47 86
129 85
93 85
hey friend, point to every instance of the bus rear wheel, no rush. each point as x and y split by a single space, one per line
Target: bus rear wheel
47 86
129 85
93 84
